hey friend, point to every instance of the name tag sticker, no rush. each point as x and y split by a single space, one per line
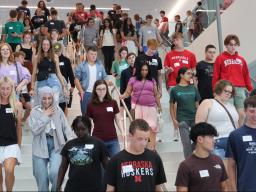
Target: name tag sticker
10 27
247 138
176 64
204 173
88 146
110 109
12 72
149 32
8 110
127 169
185 61
61 63
154 60
51 23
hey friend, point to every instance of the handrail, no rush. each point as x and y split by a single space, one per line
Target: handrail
124 105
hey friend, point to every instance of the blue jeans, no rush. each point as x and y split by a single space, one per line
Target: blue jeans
220 147
84 103
112 146
40 168
184 129
52 82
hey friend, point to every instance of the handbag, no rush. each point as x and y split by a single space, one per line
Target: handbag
229 115
20 96
133 110
42 75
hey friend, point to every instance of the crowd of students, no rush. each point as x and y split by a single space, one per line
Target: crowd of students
209 104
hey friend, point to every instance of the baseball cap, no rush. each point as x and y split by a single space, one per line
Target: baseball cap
57 47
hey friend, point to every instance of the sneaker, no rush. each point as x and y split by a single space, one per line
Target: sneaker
176 135
158 139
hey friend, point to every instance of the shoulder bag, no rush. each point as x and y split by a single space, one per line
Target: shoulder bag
229 115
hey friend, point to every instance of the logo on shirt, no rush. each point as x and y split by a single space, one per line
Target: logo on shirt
81 155
179 58
217 166
232 62
136 169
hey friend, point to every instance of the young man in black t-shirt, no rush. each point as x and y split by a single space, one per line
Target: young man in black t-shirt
136 168
202 171
84 156
56 24
154 61
204 73
178 25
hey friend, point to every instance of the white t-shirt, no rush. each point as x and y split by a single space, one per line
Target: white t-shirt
108 37
93 77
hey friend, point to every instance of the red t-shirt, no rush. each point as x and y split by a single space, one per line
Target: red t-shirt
103 116
232 68
164 19
177 60
81 17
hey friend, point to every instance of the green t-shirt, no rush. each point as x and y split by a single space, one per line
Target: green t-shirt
11 27
118 67
186 98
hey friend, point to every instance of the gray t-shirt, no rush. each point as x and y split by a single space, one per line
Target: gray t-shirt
89 36
148 32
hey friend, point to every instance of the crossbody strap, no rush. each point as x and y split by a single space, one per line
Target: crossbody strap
140 94
229 115
18 74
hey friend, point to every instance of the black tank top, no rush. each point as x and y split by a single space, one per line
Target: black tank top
28 52
8 131
46 65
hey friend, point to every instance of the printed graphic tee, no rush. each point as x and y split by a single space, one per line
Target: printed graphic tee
177 60
128 172
204 73
84 157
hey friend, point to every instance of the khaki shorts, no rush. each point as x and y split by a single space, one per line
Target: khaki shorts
239 97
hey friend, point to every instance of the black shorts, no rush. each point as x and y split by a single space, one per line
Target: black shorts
24 97
63 106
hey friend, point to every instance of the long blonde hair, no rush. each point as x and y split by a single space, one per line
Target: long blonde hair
12 97
11 58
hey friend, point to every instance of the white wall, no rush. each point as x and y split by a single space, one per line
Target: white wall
239 20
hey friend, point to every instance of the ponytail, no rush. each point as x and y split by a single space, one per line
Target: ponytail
178 78
181 71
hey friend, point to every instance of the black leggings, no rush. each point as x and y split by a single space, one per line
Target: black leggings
108 52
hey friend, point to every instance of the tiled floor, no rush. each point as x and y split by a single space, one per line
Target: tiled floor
171 152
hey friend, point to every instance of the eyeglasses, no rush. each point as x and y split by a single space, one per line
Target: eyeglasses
103 89
232 45
227 92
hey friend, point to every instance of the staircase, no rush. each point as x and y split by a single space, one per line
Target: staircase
170 152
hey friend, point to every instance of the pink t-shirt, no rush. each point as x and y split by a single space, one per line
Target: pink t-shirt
147 97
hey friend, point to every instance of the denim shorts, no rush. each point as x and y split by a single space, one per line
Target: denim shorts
52 81
220 147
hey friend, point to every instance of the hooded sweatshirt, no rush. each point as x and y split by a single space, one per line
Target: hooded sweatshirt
40 124
232 68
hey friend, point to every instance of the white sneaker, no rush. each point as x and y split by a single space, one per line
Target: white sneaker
176 135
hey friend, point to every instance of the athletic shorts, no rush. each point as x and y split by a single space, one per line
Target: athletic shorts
238 99
10 151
